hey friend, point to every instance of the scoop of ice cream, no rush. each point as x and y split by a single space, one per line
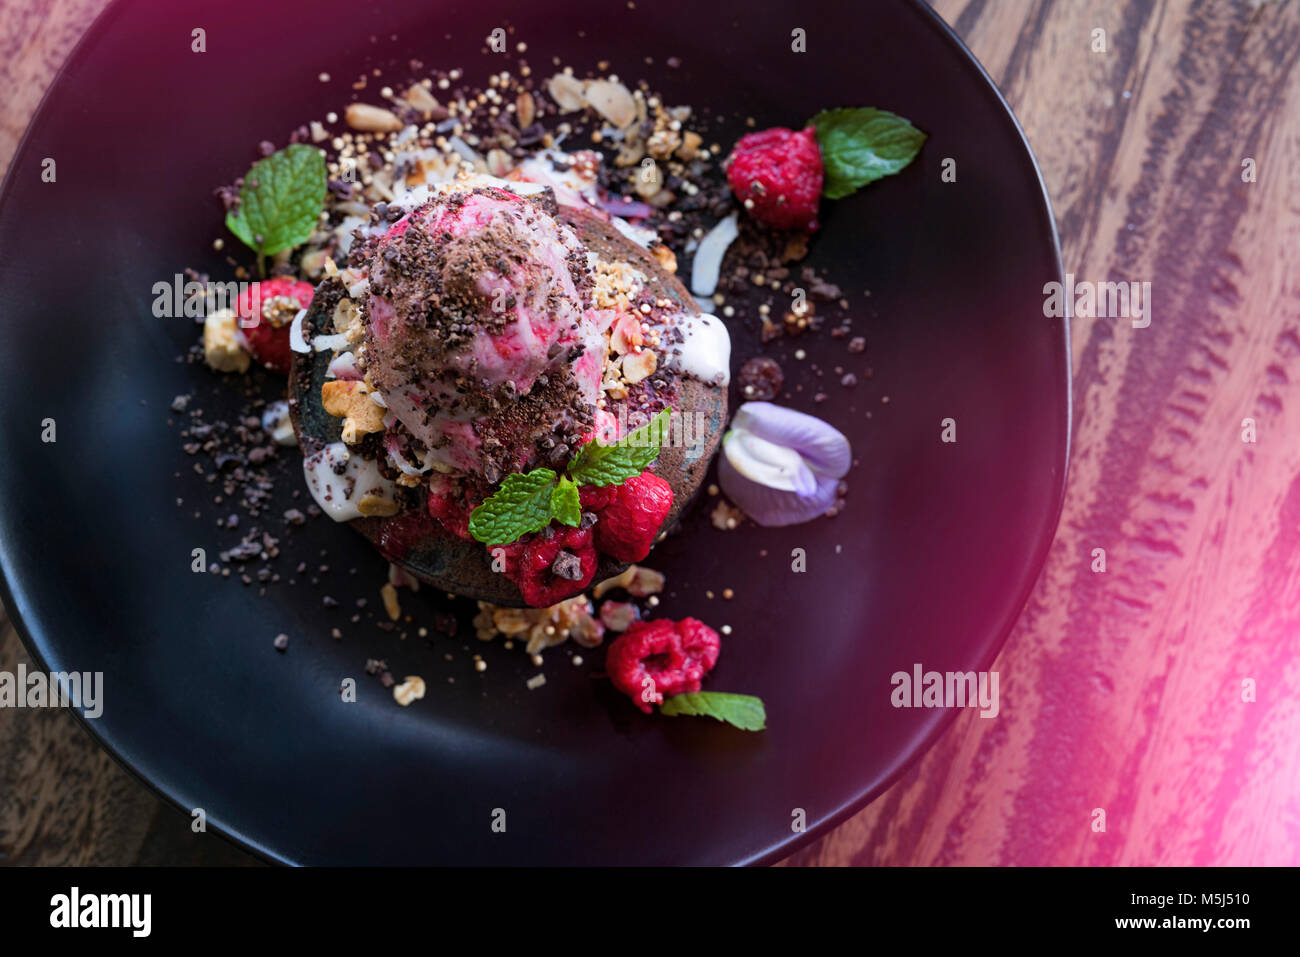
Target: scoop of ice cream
479 332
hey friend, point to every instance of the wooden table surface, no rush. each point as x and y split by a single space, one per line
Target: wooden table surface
1122 690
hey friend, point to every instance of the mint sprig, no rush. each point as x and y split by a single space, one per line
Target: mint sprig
281 200
521 505
740 710
861 145
597 464
566 506
528 501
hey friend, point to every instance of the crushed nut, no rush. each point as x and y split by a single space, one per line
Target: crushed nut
221 348
665 256
411 689
612 101
662 144
618 615
350 400
391 605
587 631
567 91
626 336
649 180
421 99
630 153
541 627
499 162
615 284
645 581
372 119
639 366
690 145
430 169
621 580
726 516
525 109
345 315
377 506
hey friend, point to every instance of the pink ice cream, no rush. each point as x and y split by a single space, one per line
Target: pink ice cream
480 333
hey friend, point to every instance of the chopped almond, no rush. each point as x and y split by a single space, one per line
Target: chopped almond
665 256
377 506
350 401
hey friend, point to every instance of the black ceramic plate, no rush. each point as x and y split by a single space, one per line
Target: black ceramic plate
930 562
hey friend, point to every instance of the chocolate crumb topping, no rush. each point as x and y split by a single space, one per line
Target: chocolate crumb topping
453 277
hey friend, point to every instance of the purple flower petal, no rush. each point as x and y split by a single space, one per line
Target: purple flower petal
775 507
781 467
824 447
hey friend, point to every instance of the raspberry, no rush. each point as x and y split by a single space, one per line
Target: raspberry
399 534
596 497
629 521
673 656
266 310
554 564
450 507
777 174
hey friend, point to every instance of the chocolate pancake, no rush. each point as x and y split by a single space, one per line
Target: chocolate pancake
419 544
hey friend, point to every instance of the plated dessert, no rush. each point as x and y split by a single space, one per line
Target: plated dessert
488 324
495 371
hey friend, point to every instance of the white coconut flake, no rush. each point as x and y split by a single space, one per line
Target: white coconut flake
641 236
466 152
522 188
343 366
400 462
296 342
707 265
334 343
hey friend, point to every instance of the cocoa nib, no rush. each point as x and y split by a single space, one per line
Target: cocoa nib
567 566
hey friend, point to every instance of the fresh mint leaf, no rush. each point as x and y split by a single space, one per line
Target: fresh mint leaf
521 505
597 464
281 200
861 145
565 503
527 502
741 710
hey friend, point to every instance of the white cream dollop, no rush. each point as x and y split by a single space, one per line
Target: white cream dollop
706 349
339 495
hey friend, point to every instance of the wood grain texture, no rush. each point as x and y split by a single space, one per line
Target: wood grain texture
1121 690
